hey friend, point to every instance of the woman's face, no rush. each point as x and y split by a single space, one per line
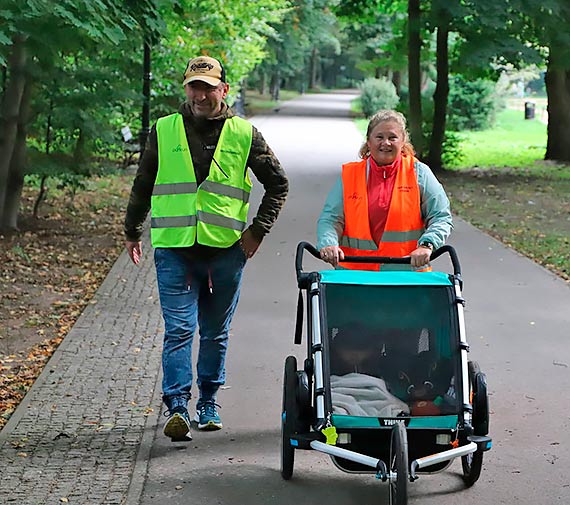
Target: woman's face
385 142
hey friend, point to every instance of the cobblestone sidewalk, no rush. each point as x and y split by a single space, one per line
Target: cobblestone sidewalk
75 437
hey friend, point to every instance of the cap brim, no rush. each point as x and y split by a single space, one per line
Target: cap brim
212 81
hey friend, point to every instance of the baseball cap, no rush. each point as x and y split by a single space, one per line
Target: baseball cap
206 69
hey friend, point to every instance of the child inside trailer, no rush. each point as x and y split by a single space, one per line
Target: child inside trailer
388 372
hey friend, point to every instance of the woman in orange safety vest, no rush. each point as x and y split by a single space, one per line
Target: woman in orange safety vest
387 204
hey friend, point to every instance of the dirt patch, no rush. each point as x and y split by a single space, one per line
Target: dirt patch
530 214
50 271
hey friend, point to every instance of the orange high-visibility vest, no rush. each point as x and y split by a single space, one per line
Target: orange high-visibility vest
404 225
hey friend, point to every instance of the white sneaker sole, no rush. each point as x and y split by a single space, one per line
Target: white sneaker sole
209 426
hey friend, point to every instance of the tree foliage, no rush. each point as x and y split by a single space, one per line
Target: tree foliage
305 41
72 69
231 30
73 74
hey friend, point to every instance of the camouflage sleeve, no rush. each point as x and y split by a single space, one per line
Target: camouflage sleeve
141 192
269 172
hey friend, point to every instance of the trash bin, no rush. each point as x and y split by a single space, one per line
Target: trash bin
529 108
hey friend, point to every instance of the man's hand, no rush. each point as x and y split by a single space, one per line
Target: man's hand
420 256
249 243
135 251
332 254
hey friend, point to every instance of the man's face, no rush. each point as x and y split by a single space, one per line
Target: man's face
205 100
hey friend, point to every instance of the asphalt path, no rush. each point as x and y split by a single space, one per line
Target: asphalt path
517 319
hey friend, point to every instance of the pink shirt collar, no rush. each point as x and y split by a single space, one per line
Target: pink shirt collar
389 169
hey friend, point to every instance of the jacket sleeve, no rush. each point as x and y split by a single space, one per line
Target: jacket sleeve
330 224
141 192
269 172
435 207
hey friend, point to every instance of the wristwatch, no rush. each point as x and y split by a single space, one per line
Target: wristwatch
429 245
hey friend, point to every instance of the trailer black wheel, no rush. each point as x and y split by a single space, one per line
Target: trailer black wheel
399 465
479 399
473 463
304 402
289 417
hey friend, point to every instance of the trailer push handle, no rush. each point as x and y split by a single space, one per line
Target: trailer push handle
303 277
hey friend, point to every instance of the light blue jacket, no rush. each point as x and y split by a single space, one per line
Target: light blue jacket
434 204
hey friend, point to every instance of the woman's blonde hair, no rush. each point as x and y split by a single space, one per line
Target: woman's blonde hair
380 117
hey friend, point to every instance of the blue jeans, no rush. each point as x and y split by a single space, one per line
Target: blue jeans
197 293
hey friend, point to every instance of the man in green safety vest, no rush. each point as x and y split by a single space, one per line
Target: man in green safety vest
193 177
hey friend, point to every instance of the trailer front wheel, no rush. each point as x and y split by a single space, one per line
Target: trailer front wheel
399 465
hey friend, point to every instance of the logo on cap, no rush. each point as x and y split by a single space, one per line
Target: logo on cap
200 67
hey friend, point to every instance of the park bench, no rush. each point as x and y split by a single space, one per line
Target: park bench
131 148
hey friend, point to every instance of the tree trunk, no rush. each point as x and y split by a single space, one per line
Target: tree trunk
330 75
4 79
275 84
414 75
239 105
40 197
43 186
11 114
18 164
313 73
79 154
558 93
440 99
263 83
397 81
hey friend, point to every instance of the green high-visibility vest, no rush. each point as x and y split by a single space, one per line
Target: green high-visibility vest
214 213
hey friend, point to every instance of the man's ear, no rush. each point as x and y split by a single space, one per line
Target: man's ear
226 89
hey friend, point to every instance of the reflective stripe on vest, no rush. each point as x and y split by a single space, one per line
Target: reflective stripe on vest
404 225
178 188
214 213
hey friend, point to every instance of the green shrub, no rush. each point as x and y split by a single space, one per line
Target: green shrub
452 154
471 104
377 94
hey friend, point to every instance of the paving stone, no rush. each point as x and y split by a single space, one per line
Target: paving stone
77 433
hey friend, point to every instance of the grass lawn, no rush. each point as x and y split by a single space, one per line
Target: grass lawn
256 103
512 142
